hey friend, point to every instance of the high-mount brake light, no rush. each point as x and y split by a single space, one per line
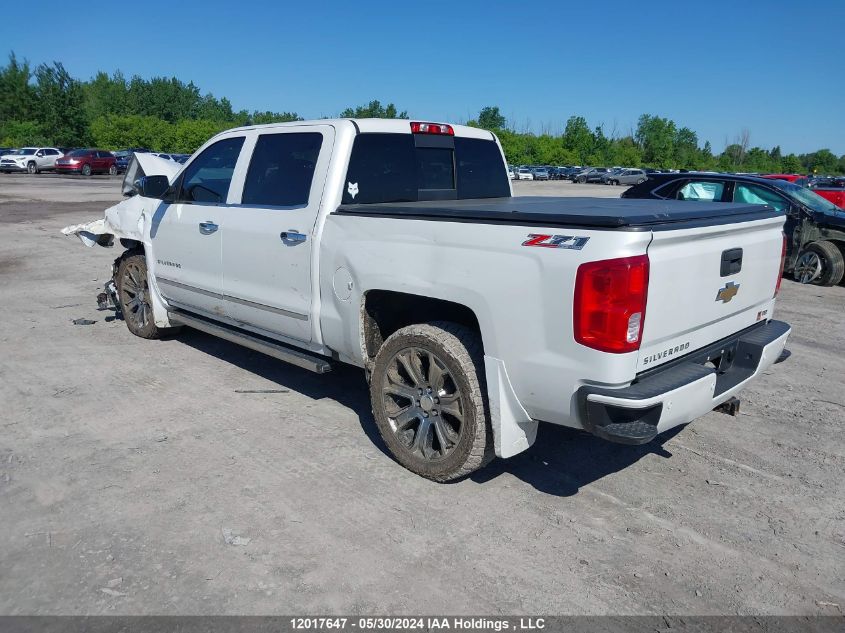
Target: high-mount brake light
782 262
610 301
431 128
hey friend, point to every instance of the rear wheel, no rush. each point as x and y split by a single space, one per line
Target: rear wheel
429 402
113 170
86 170
821 263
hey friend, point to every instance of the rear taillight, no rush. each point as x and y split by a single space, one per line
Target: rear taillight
431 128
782 262
610 298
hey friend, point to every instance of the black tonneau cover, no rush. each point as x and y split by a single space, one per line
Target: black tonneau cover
598 213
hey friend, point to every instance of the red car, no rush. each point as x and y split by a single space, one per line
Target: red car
87 162
798 179
832 189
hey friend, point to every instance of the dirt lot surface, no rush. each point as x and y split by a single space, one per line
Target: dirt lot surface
191 476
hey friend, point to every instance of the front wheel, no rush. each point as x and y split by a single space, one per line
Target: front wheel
32 168
133 293
429 401
821 263
86 170
582 180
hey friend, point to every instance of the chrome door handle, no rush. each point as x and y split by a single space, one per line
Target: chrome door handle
208 227
292 236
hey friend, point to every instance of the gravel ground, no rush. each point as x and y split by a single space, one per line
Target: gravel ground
190 476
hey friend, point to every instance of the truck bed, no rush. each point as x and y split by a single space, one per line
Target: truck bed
598 213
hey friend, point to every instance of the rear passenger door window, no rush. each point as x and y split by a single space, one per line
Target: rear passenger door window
702 191
208 177
282 169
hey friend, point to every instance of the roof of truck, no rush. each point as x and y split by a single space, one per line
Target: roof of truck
383 126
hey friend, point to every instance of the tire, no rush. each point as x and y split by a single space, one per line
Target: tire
820 263
86 170
582 180
113 170
641 181
409 399
133 295
31 168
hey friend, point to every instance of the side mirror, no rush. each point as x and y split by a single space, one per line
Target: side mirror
151 186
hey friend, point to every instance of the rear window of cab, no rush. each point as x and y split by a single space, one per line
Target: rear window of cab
410 168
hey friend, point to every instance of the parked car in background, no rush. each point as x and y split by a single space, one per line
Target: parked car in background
123 156
511 172
797 179
32 160
181 158
814 228
594 174
165 156
87 162
625 177
541 173
830 188
525 174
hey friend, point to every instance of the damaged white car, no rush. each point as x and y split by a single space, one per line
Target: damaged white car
397 246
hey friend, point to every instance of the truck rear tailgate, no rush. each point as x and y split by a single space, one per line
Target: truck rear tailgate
706 283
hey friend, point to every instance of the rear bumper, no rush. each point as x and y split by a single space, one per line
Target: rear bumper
683 390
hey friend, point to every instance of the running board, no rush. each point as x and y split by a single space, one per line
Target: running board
256 342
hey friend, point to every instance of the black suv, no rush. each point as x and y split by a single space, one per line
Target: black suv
815 227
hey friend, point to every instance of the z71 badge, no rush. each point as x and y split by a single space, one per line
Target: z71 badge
572 242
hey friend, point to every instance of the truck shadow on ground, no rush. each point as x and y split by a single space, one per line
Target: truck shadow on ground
561 461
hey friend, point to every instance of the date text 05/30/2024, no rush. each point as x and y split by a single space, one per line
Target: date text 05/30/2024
418 623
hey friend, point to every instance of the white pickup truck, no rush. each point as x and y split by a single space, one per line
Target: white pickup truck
397 246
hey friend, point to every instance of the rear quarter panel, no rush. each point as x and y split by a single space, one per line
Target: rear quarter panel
521 296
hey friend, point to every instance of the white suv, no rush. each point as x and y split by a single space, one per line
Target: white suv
30 159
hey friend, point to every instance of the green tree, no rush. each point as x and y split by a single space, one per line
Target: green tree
17 96
790 164
374 110
491 119
60 105
686 152
578 138
656 137
822 162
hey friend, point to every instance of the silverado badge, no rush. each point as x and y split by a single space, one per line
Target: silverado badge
728 292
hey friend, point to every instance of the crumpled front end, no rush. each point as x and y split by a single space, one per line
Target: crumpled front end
127 219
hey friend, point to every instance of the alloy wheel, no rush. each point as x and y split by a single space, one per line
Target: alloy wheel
135 296
808 268
423 404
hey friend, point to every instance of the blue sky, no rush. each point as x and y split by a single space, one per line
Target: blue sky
773 67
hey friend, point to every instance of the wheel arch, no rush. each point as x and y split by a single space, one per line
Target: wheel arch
385 311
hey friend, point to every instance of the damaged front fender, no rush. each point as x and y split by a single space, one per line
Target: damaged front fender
129 219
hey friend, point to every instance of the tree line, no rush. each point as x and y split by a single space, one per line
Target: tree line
45 105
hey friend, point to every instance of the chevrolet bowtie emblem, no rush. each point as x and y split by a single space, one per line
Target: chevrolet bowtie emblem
728 292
